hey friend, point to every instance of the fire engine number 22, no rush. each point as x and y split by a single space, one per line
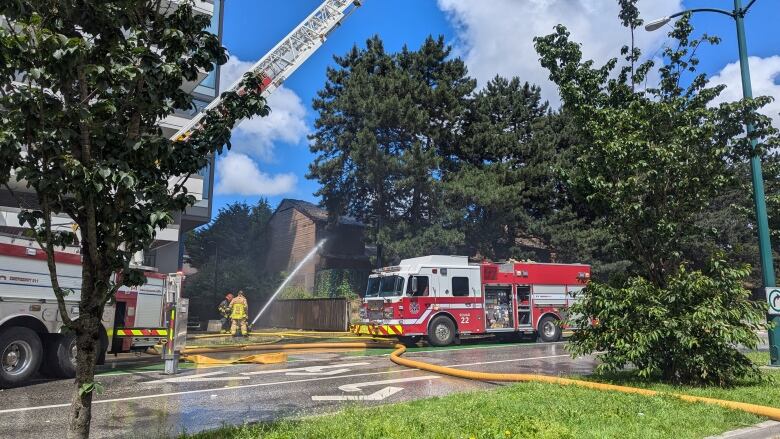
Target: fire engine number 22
443 297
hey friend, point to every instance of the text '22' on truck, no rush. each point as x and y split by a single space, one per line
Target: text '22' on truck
32 336
444 297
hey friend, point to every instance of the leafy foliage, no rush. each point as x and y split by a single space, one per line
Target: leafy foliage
659 166
651 161
687 332
339 283
83 86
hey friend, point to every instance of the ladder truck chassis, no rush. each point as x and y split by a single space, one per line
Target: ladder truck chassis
32 335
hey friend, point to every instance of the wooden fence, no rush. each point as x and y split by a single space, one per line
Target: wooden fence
312 314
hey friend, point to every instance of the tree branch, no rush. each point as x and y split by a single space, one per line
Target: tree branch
50 260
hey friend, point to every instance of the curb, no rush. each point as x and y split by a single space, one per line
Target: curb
764 430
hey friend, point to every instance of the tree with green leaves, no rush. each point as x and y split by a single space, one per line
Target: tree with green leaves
82 86
386 123
230 254
650 162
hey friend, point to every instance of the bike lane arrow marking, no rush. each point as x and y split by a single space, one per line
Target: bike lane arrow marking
355 387
376 396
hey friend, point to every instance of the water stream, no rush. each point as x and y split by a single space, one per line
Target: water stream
290 276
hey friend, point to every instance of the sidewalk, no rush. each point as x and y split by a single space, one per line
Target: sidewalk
764 430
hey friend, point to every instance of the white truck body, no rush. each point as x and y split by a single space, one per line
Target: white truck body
30 322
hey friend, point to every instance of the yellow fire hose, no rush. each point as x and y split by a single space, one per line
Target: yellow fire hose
190 354
760 410
307 334
286 346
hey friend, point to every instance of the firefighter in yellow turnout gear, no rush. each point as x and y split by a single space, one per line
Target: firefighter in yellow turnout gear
238 314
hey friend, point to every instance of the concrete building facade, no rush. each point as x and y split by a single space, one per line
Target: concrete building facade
166 252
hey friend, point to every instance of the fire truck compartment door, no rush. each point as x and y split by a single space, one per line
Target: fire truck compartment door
549 295
148 312
499 313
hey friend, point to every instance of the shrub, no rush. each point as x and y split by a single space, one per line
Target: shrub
688 332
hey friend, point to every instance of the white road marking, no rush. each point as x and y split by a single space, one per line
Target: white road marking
357 386
508 361
218 389
321 373
376 396
247 386
306 371
197 378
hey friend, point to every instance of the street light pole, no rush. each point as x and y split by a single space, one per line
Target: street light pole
759 198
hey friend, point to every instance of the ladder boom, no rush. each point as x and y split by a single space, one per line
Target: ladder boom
281 61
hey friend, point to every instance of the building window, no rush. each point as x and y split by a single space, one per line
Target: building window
150 258
208 86
460 286
206 174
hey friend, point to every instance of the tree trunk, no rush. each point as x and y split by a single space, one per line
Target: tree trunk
87 342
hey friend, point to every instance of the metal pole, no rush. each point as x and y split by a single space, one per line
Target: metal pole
216 269
764 245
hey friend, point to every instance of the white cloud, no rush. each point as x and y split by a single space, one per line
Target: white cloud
764 72
233 69
238 174
496 37
286 123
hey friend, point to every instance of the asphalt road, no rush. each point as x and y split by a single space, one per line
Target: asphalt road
143 403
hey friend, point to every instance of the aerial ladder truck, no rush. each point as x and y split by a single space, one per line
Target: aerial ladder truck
28 306
285 58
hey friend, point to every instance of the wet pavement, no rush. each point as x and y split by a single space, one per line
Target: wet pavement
143 403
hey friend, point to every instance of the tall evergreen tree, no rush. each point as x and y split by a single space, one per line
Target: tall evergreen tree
503 174
385 123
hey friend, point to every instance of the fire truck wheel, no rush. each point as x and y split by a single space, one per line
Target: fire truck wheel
20 355
549 329
441 332
410 340
60 356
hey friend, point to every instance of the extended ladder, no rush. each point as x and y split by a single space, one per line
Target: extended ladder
281 61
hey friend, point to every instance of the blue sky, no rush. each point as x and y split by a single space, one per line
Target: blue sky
271 157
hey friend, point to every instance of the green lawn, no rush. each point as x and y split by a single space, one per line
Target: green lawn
532 411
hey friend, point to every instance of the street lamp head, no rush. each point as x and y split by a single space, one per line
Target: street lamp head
657 24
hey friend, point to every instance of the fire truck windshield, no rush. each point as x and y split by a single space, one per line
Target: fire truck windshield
384 286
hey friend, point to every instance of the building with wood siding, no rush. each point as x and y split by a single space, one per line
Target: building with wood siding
294 230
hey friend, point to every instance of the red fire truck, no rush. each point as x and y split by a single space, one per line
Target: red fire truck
443 297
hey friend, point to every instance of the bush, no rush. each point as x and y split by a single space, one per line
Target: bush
340 283
688 332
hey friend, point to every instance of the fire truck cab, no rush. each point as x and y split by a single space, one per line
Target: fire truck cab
444 297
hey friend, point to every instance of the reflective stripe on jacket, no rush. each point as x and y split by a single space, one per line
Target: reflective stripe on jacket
238 307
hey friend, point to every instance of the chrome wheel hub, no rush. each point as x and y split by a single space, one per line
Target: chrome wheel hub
549 329
16 357
442 332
